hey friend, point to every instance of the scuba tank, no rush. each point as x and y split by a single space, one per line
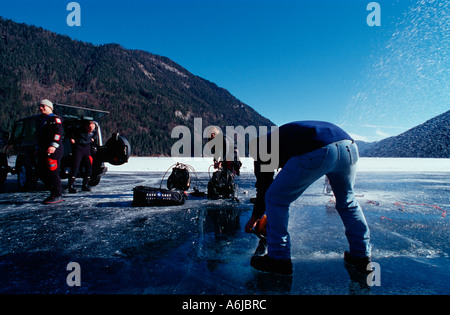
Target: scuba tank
221 185
179 179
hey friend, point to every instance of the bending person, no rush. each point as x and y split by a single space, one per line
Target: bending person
308 150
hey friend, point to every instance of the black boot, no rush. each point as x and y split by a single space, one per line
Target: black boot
72 189
85 186
360 264
267 264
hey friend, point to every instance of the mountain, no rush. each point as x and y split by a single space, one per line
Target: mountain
428 140
147 95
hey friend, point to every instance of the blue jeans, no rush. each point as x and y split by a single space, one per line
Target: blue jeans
338 162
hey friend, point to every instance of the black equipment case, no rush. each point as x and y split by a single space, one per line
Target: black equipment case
144 196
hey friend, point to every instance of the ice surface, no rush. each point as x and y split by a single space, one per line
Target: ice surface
201 248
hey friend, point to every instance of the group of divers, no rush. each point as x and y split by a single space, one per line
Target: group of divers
306 151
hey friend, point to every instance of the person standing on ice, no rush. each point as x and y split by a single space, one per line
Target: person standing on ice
81 151
225 151
308 150
50 150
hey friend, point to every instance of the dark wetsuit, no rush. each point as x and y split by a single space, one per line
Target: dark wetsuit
81 151
50 133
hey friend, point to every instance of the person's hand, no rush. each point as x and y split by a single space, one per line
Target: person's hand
251 224
51 150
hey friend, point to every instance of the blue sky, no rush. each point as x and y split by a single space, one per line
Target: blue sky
288 59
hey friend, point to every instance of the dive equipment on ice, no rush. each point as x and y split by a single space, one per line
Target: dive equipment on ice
179 179
221 185
144 196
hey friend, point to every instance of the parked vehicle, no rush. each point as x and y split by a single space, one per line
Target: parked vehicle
18 155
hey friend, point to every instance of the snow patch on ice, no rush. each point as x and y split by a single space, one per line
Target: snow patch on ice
321 255
161 164
403 165
418 253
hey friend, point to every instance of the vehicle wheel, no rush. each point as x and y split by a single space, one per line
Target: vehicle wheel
94 181
3 169
25 177
118 150
3 175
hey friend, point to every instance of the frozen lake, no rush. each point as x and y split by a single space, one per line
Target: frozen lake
201 248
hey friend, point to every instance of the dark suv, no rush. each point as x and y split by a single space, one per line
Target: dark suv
18 156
